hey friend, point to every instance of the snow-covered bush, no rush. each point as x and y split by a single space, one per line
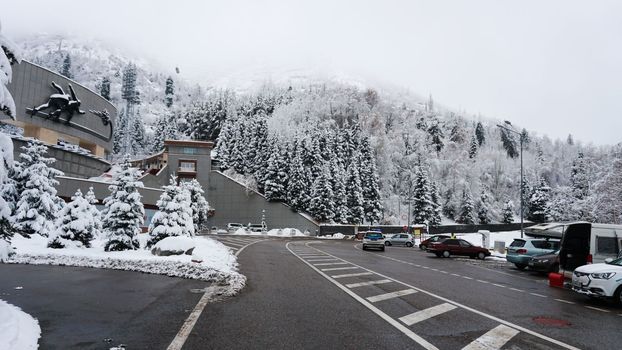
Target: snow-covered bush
97 218
10 54
38 203
76 224
6 164
199 205
174 217
124 213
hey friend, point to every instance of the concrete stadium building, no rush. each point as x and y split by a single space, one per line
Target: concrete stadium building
77 125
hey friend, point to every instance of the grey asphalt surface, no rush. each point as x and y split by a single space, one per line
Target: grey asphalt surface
78 308
287 304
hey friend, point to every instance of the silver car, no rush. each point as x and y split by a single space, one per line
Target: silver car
404 239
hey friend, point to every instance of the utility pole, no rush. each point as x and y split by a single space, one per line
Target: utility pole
520 137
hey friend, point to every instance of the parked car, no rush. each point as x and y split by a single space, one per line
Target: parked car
456 246
522 249
255 228
404 239
599 280
424 244
233 226
373 240
548 262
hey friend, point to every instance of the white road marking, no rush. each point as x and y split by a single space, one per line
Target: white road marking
493 339
237 240
387 296
482 281
318 260
241 249
331 263
340 268
498 285
352 275
314 256
423 315
597 309
455 274
467 277
444 271
475 311
362 284
186 328
517 290
426 345
565 301
235 244
539 295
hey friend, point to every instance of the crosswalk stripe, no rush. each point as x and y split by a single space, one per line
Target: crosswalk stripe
331 263
245 241
318 260
423 315
493 339
340 268
391 295
233 243
313 256
352 275
361 284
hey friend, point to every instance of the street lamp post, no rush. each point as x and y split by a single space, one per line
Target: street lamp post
520 137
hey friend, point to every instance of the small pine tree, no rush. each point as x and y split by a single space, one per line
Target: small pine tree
7 188
174 215
297 191
473 147
435 199
370 183
38 204
199 205
66 69
509 143
356 212
90 197
105 88
276 177
76 224
539 203
169 92
321 205
436 136
466 215
339 192
422 210
484 212
124 212
508 212
579 178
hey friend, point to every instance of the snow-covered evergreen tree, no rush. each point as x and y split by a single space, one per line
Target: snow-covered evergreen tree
338 182
297 191
356 212
539 203
508 212
449 208
480 134
579 177
38 204
484 213
467 209
104 89
198 203
437 208
422 210
174 215
75 223
6 166
436 135
124 212
276 178
473 147
370 183
322 206
95 213
66 69
169 92
509 143
9 55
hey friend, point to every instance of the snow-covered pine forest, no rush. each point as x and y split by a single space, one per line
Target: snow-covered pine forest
348 153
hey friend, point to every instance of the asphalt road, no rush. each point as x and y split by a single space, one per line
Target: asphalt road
316 295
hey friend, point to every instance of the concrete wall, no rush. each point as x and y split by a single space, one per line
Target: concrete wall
68 186
71 163
31 87
233 203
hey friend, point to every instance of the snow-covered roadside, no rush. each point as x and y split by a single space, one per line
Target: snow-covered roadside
277 232
218 264
18 330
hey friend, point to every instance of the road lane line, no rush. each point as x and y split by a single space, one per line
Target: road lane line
340 268
597 309
419 340
538 295
331 263
517 290
565 301
467 277
423 315
235 244
362 284
352 275
387 296
498 285
493 339
468 308
455 274
482 281
242 249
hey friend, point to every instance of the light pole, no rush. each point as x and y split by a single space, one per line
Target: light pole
520 137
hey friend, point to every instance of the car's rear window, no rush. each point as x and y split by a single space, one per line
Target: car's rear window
374 235
544 244
518 243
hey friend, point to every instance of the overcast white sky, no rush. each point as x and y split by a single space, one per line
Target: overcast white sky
554 67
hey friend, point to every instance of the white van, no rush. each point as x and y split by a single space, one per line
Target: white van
581 242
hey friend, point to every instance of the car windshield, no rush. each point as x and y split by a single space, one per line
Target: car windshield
373 235
616 262
518 243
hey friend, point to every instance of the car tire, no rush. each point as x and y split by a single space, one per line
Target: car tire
382 249
387 243
422 247
520 266
364 248
446 254
409 245
481 255
617 296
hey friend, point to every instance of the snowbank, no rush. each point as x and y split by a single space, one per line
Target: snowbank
277 232
5 250
333 236
18 330
218 264
176 244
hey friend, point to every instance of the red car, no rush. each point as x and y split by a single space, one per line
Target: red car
436 238
452 246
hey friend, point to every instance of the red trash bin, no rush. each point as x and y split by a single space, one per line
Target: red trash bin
556 280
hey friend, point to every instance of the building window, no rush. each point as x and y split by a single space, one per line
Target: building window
187 166
189 150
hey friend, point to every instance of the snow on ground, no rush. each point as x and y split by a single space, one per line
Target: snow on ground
217 264
5 250
18 330
333 236
279 232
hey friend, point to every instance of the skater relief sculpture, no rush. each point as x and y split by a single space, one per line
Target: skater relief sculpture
60 102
